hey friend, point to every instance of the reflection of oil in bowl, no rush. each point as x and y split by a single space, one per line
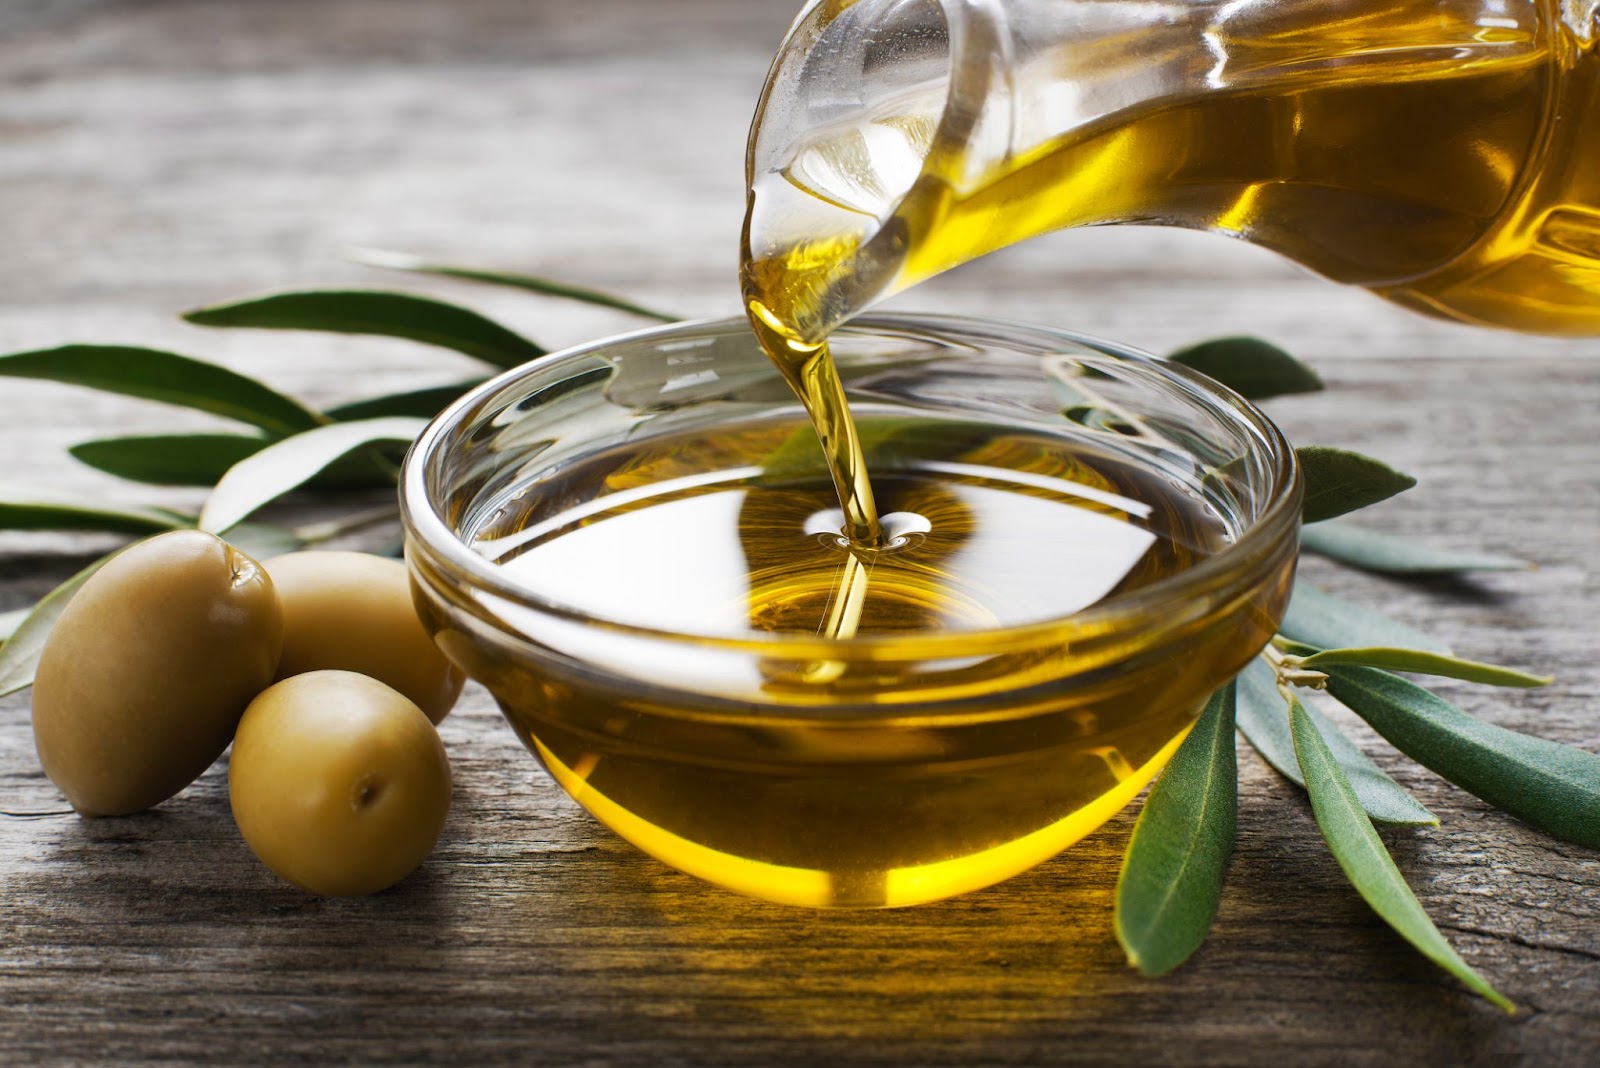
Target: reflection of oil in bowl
758 981
967 970
622 543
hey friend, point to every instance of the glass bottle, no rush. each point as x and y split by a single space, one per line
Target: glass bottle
1444 154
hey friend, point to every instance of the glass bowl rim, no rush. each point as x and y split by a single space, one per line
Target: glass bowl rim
426 529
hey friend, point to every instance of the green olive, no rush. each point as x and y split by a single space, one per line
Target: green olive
353 612
145 674
339 783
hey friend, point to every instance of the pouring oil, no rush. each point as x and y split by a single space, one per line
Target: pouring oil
986 532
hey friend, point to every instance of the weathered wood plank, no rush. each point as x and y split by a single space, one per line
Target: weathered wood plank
168 154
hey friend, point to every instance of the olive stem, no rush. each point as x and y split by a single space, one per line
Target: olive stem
317 533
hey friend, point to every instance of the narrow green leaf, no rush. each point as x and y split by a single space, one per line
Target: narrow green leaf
1366 863
202 460
1339 481
1327 622
164 376
1290 647
1103 420
288 464
1250 367
416 403
402 315
1172 874
798 457
377 467
887 442
23 632
10 621
394 548
39 508
168 459
1425 663
1554 787
1391 554
1264 721
401 261
260 541
19 656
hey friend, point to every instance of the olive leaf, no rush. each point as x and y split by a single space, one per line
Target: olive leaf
402 261
19 656
1103 420
1554 787
23 643
39 508
262 540
1263 717
202 460
395 548
10 621
416 403
1394 555
290 463
1177 859
165 376
1290 647
797 458
168 459
1326 622
1424 663
1366 863
1339 481
1249 366
887 442
401 315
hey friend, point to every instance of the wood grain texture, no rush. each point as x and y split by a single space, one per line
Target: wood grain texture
174 153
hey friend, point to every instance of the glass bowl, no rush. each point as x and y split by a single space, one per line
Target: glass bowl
896 766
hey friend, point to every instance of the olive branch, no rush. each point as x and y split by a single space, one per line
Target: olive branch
1176 862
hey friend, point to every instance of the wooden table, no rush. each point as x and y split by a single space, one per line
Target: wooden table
164 155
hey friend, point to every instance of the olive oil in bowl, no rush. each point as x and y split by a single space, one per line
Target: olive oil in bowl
639 549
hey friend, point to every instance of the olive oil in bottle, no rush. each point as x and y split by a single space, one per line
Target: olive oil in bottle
1441 155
